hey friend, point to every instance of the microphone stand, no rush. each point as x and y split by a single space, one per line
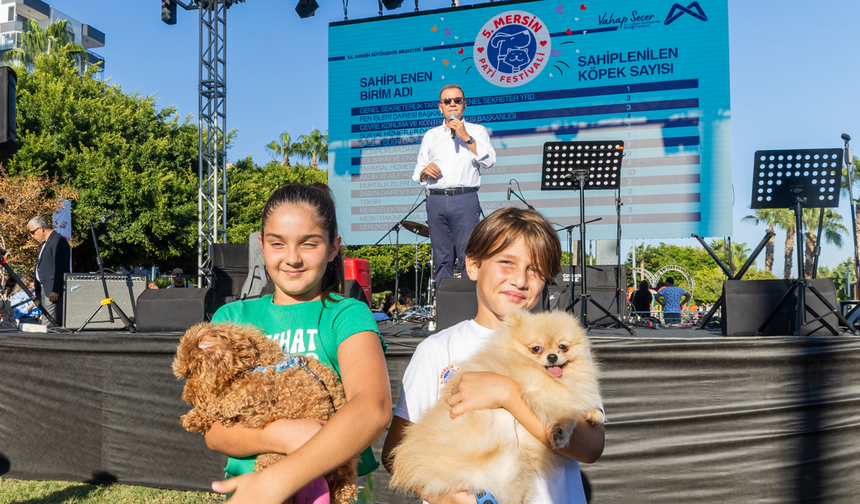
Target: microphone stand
569 230
522 199
848 168
396 228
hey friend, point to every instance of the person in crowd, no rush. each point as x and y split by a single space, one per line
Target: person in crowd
54 261
152 285
387 303
449 164
511 255
641 299
301 250
177 278
672 298
24 308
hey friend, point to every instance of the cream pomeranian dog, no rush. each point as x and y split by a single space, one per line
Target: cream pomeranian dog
549 357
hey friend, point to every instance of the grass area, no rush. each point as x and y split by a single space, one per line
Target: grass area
57 492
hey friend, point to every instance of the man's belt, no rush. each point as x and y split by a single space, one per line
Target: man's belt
452 192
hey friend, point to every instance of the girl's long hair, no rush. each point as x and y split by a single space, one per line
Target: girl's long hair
318 198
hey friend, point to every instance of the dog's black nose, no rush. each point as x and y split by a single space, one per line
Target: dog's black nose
552 358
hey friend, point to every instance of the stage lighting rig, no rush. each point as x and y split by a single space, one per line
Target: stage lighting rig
212 130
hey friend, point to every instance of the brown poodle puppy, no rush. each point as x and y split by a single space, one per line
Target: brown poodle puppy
235 375
549 357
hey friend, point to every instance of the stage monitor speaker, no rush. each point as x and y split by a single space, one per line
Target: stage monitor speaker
84 293
168 310
749 302
456 301
601 284
229 268
8 136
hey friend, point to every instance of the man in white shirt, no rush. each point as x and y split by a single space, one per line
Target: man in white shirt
449 164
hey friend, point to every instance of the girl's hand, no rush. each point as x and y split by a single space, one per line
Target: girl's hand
252 488
482 390
297 432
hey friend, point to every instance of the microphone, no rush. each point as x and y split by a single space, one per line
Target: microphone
848 156
509 191
451 116
106 217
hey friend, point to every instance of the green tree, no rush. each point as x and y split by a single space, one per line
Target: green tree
769 217
313 147
832 229
120 152
739 253
56 38
282 147
249 186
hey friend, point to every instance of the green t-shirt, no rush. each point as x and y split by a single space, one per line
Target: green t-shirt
315 328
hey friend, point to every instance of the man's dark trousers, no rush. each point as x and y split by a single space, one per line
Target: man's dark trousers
451 220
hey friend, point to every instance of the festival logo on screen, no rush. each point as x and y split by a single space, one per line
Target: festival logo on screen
512 48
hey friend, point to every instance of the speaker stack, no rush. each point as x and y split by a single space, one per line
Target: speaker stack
749 302
168 310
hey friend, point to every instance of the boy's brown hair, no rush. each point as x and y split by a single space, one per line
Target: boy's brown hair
505 226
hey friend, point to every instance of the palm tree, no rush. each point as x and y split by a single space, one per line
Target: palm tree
855 176
785 221
832 230
740 253
282 147
56 38
313 147
766 216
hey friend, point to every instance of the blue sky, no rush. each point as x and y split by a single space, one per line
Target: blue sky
794 76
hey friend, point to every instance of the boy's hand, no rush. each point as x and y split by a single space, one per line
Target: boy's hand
482 390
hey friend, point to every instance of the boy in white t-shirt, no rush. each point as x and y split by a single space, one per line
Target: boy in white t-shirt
511 254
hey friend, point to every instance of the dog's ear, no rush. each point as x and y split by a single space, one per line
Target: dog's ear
514 319
185 362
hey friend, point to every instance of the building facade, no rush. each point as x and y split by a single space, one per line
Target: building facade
15 13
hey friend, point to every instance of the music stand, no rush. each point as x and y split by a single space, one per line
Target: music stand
396 228
580 166
798 179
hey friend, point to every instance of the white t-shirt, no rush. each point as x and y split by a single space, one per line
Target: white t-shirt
433 362
460 168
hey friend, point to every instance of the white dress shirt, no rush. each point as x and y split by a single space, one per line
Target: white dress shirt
460 168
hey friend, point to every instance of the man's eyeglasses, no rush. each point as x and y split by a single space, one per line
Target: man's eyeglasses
33 231
458 100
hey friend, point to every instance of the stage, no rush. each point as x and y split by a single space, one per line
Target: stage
692 415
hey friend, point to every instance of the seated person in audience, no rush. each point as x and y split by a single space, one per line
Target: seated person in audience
404 301
26 311
178 280
387 303
152 285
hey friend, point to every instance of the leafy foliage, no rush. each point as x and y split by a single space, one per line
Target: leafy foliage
26 196
249 186
121 153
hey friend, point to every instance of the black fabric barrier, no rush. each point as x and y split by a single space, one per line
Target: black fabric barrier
705 419
100 409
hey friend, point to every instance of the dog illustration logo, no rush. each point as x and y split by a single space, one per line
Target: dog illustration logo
512 48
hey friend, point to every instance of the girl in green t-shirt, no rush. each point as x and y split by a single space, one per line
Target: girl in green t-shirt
301 249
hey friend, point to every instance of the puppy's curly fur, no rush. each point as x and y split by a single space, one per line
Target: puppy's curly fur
218 362
549 358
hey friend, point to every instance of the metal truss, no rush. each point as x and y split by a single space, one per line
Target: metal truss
212 133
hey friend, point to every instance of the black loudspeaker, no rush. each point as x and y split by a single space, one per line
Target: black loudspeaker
749 302
165 310
229 268
601 283
84 293
8 137
352 288
456 301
